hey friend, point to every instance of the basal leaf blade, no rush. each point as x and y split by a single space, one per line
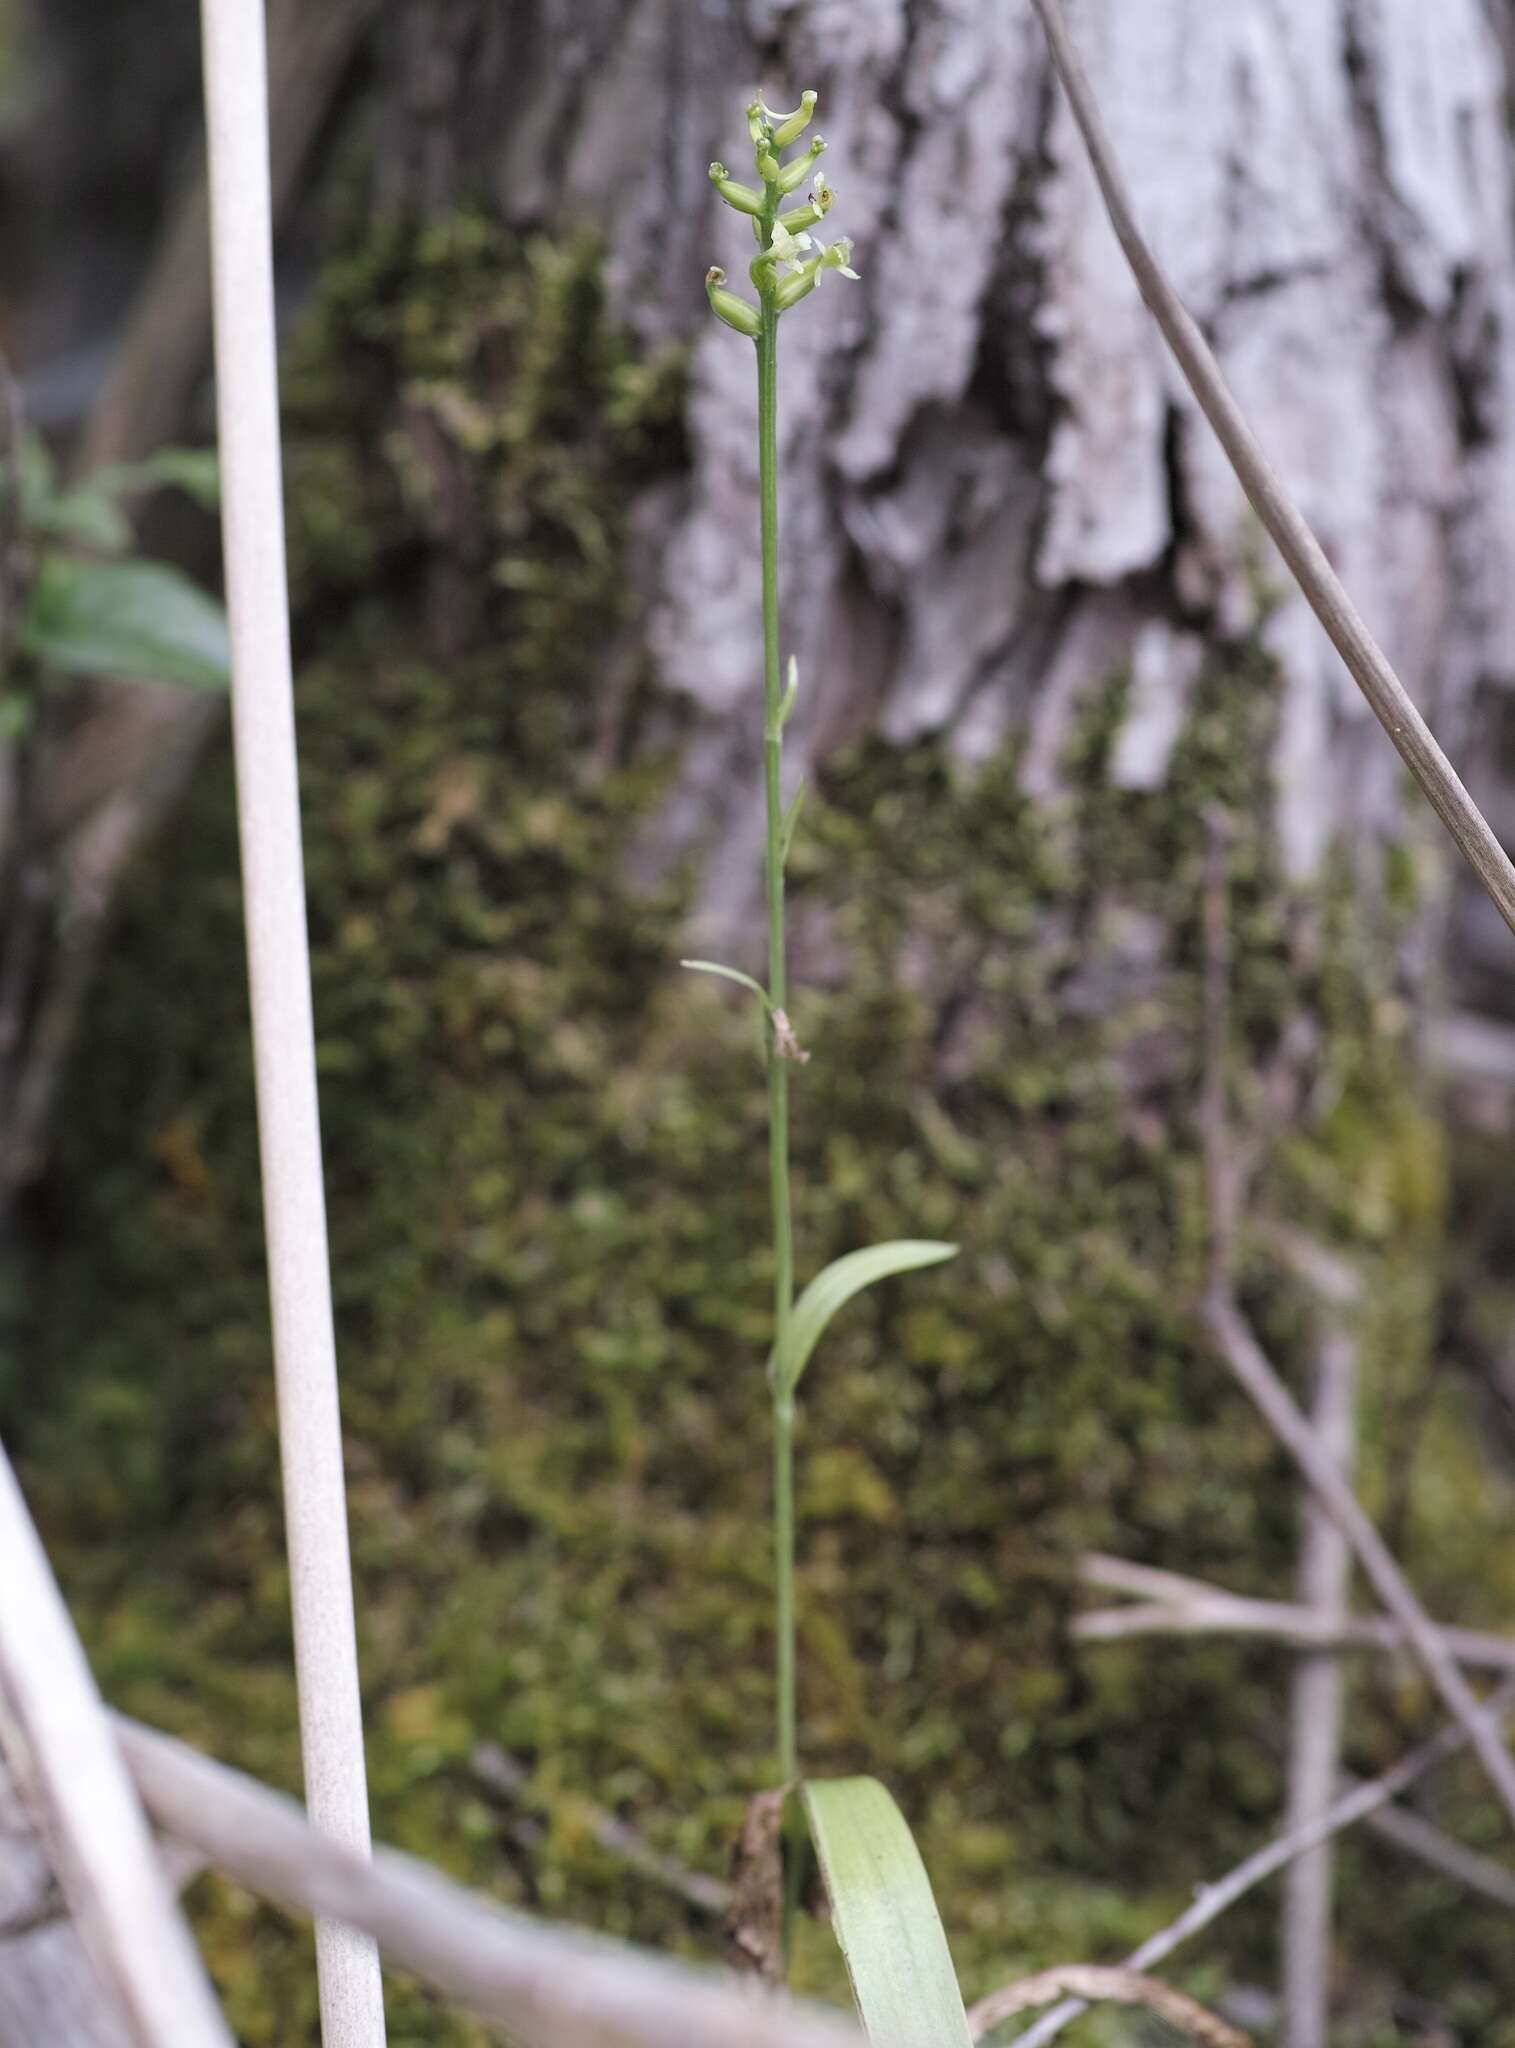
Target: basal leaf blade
835 1286
885 1917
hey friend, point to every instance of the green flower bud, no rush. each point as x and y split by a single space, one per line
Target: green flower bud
792 126
736 312
768 167
757 126
742 197
794 175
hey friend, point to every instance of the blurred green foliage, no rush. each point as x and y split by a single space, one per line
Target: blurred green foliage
545 1167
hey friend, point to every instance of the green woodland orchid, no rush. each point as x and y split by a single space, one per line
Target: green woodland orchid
789 264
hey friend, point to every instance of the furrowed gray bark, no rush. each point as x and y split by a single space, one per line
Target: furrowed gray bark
1000 492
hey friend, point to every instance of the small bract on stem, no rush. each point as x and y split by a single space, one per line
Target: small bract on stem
789 264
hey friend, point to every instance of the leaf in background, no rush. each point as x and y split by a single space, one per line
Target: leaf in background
137 619
195 471
88 517
35 474
885 1917
834 1288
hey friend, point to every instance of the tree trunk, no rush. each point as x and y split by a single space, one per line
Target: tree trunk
996 494
996 498
996 491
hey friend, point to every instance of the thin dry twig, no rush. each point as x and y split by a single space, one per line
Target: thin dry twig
1316 1703
1297 1628
1239 1348
1386 694
538 1982
1421 1838
1237 1345
502 1774
1212 1900
1109 1983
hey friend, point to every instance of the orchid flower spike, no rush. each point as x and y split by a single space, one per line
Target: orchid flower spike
790 261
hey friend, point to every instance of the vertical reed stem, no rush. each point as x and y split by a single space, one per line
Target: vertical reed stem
273 881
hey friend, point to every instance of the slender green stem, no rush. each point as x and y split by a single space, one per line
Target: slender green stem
778 1069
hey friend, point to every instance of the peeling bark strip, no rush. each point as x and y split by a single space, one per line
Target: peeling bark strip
755 1916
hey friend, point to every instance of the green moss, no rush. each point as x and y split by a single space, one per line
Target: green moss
548 1215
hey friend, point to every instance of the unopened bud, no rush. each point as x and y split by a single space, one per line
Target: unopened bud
742 197
727 306
794 125
793 175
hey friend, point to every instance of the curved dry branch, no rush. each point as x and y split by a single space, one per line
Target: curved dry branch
538 1982
1108 1983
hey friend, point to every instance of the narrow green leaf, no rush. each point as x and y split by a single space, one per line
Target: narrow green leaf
789 820
195 471
885 1917
35 475
834 1288
729 974
141 620
85 516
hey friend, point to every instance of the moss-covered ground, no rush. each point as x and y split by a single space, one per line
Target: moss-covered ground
547 1195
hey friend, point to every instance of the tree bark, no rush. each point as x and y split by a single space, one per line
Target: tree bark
996 493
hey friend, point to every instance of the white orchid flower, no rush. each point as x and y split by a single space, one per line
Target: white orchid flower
786 248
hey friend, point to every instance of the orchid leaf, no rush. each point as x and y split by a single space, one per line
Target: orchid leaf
833 1288
885 1917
